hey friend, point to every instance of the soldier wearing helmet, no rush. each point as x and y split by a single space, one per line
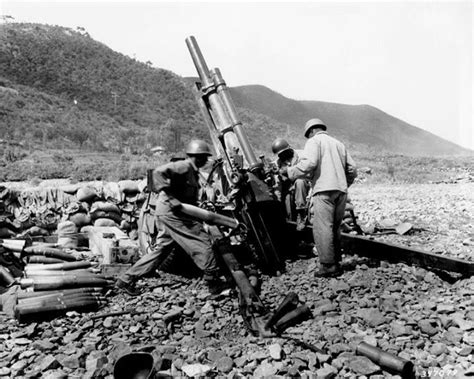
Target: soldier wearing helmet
175 183
332 171
294 195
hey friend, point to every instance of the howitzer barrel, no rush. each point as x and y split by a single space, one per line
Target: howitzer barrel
214 87
238 128
386 360
199 62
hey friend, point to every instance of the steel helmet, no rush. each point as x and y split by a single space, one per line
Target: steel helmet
197 147
280 145
311 124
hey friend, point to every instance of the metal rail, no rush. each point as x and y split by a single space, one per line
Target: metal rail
367 246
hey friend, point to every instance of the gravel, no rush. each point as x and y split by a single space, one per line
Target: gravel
407 311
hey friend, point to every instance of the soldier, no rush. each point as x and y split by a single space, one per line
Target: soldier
332 171
174 183
293 195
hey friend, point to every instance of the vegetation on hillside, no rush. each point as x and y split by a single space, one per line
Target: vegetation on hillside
72 107
61 83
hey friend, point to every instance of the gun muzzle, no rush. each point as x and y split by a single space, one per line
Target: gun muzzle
386 361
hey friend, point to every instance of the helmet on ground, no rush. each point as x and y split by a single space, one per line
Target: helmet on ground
280 145
313 123
198 147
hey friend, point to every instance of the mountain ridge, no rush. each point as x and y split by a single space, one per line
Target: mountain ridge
355 124
59 87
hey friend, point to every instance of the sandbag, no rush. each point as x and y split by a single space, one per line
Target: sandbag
116 217
104 206
70 189
87 194
125 225
67 235
6 232
66 227
128 187
104 222
86 229
48 220
75 207
80 219
36 231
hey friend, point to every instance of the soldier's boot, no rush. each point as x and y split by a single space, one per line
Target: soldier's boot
328 271
215 284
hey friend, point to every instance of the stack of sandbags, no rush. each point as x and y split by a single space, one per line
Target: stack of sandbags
78 214
43 211
105 214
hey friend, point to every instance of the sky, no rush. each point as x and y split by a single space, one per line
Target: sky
411 59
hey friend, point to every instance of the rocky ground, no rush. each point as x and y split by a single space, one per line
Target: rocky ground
404 310
444 212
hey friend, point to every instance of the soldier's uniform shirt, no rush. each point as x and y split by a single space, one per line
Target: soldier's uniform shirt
332 170
180 180
299 188
327 162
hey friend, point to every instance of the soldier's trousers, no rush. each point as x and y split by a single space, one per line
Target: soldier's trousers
296 197
328 209
301 193
187 233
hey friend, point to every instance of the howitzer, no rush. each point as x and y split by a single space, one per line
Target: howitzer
246 182
244 174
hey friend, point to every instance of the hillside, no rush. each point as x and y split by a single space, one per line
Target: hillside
65 98
365 127
75 82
